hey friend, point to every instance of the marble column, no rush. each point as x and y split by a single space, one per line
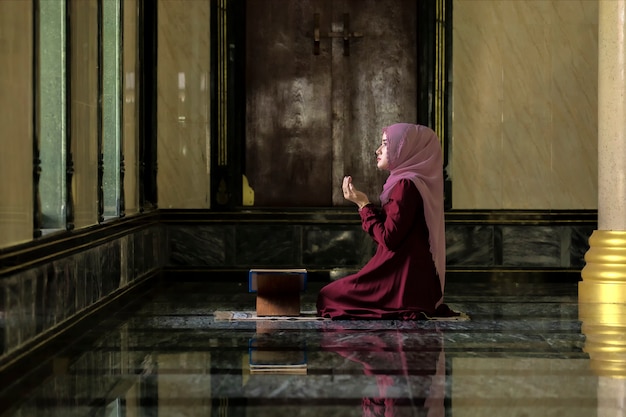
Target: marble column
604 275
602 292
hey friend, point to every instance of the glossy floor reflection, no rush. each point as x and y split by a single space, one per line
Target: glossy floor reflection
521 354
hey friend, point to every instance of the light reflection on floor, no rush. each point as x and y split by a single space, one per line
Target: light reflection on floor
522 353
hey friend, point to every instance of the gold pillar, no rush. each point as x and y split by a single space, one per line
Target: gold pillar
604 275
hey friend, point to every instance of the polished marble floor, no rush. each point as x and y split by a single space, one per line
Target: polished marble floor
523 353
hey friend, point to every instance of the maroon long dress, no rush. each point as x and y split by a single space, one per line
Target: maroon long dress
400 281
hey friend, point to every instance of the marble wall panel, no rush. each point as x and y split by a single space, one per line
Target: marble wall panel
84 110
93 276
345 247
579 245
183 93
526 119
3 318
201 245
267 245
525 108
28 317
336 246
141 257
148 246
471 245
161 244
40 298
529 246
575 132
11 328
46 296
479 76
137 259
110 266
16 121
47 307
126 258
82 281
60 285
52 297
20 318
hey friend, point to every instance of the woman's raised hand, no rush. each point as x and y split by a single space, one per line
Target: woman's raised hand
350 193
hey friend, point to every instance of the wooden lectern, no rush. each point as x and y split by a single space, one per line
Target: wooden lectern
278 290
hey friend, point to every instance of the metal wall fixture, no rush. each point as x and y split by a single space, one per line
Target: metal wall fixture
345 34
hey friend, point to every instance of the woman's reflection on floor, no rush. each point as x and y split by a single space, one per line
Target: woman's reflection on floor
408 367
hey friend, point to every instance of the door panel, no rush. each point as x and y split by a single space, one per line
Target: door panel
314 116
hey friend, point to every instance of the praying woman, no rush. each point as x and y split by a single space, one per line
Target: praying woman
405 278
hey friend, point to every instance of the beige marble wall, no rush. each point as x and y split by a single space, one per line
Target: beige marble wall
524 104
183 91
130 108
16 119
84 108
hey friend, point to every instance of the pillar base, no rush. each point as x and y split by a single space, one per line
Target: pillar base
604 275
602 303
601 292
604 327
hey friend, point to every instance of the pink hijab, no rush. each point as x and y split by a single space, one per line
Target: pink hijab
414 153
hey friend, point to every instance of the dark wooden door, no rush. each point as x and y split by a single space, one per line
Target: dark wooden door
315 110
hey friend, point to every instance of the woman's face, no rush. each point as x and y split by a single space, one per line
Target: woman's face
382 162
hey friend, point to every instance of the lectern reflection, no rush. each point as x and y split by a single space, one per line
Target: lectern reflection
274 352
408 368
